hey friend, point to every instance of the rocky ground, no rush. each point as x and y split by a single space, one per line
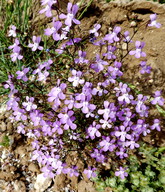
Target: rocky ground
17 172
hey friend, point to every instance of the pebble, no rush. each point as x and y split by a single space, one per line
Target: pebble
10 127
2 127
19 186
42 183
33 167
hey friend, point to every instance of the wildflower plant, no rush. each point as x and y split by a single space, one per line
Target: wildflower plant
68 102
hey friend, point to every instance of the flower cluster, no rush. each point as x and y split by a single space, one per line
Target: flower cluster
91 110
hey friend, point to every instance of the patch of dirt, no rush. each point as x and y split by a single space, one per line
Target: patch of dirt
17 172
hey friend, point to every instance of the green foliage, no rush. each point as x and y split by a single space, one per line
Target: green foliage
146 173
5 142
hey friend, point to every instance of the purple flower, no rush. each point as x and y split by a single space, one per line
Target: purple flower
54 30
70 17
20 129
122 153
94 31
123 133
106 123
156 125
158 99
141 108
138 52
75 79
153 21
35 45
22 74
57 127
16 54
109 111
81 58
12 31
67 119
29 104
107 144
145 68
57 92
121 173
132 144
93 130
90 172
98 91
48 8
110 51
98 156
99 64
113 36
36 117
15 45
127 38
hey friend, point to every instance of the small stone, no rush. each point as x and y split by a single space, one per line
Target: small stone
19 186
133 24
2 127
42 183
10 127
33 167
124 46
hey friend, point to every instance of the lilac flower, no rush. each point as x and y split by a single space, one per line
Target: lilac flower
113 73
109 111
57 127
156 125
48 8
67 119
20 129
12 31
19 114
145 68
54 30
22 74
15 45
43 2
158 99
76 78
132 144
105 123
99 64
122 153
70 17
94 31
153 21
29 104
98 91
125 97
35 45
90 172
113 36
93 130
57 92
123 133
110 51
141 108
73 171
107 144
98 156
138 52
127 38
121 173
36 117
16 54
81 58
